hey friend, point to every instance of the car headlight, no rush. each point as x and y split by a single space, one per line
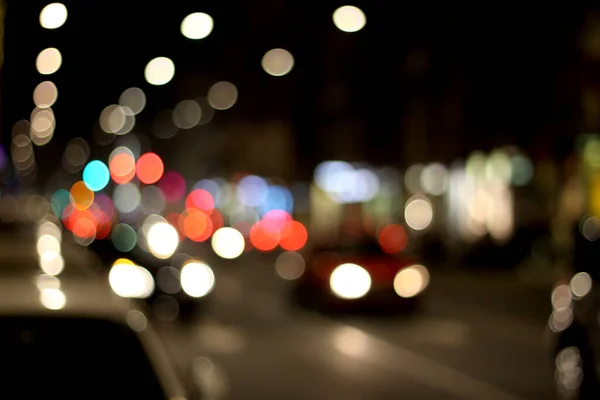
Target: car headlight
411 281
350 281
129 280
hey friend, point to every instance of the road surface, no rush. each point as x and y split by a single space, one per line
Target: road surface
480 337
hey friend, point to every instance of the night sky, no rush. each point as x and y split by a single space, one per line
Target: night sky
507 75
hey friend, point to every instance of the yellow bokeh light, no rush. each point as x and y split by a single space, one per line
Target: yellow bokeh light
197 26
53 16
349 19
160 71
277 62
48 61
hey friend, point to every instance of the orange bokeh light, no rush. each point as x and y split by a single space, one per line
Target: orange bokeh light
84 228
150 168
195 225
122 168
82 196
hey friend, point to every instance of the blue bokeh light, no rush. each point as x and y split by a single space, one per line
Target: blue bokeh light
96 175
278 198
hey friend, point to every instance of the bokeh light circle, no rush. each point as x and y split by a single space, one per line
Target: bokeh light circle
277 62
228 243
149 168
121 164
349 19
96 175
48 61
123 237
159 71
53 16
222 95
82 196
197 26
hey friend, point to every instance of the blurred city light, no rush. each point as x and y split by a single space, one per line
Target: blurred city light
129 280
197 279
418 213
277 62
45 94
350 281
96 175
290 265
197 26
228 243
133 99
159 71
163 240
222 95
349 19
48 61
187 114
53 16
149 168
53 299
411 281
121 163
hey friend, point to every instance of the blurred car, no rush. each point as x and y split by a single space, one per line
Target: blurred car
575 324
361 276
68 335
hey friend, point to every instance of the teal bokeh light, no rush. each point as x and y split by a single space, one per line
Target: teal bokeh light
61 199
96 175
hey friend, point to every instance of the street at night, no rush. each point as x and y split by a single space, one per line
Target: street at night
243 200
477 337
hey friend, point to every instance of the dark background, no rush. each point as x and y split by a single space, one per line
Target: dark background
419 83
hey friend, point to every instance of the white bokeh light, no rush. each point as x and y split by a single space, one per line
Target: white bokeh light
349 19
53 299
159 71
197 26
129 280
418 213
163 240
53 16
411 281
197 279
48 61
350 281
228 243
277 62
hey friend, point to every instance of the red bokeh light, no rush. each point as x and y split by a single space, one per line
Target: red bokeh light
173 186
263 237
200 199
393 238
293 236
